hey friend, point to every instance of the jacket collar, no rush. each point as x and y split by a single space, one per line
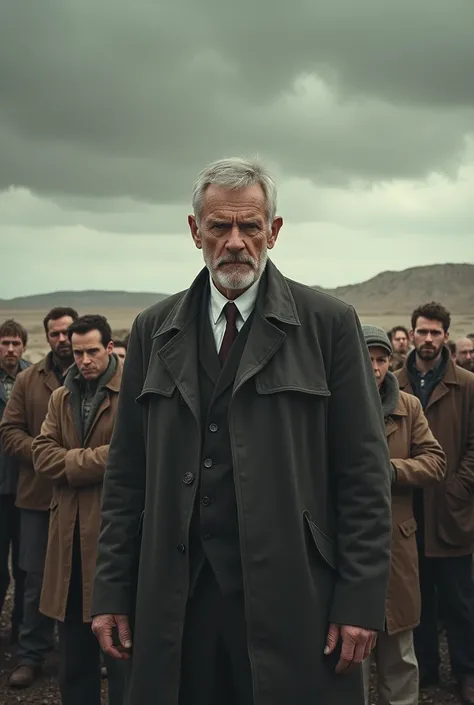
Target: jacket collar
278 303
113 383
450 374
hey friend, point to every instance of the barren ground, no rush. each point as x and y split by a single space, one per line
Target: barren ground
44 691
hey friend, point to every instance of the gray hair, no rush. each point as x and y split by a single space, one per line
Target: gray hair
235 173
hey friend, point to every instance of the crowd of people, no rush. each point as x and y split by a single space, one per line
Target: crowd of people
270 517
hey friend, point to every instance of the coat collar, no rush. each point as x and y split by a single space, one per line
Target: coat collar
178 345
450 376
23 365
278 304
113 383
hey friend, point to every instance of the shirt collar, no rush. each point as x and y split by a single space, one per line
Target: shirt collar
245 302
6 375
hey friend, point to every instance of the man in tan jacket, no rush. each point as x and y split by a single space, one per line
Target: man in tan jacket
417 461
445 512
21 422
71 454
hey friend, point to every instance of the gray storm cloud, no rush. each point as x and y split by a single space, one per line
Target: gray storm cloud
118 99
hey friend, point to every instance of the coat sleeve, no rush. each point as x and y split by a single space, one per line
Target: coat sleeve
123 493
427 462
49 456
77 467
86 466
361 475
14 434
465 471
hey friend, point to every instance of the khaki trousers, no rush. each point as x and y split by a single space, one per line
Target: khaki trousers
397 670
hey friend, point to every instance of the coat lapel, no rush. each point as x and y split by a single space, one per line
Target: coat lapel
180 353
274 302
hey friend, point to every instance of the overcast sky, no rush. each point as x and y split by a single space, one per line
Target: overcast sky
363 109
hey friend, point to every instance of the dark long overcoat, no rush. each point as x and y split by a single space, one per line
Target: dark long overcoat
311 472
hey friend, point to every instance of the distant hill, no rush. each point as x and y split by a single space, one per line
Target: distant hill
82 300
386 293
400 292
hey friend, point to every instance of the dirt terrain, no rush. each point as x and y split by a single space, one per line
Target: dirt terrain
45 691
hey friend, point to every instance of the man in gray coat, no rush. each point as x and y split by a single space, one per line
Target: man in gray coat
245 539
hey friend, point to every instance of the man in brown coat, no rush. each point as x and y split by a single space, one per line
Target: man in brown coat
21 422
445 512
418 461
71 454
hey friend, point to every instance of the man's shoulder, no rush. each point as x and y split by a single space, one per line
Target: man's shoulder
151 318
316 300
465 379
31 374
410 402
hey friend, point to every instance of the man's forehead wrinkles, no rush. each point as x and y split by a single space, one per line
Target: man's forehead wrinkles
239 213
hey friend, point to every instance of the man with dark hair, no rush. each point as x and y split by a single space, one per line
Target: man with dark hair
22 421
70 454
13 339
399 337
444 513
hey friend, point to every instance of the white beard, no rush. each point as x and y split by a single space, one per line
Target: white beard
239 278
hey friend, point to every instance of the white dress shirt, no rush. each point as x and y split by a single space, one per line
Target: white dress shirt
245 304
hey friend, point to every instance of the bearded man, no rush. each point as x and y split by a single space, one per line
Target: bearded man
445 512
245 540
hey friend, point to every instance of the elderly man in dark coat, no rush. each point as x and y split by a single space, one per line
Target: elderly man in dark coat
245 539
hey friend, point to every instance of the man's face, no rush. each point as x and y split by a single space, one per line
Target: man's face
380 359
465 354
428 337
120 352
400 342
90 355
11 352
58 340
234 235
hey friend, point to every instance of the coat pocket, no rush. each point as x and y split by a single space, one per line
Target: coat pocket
456 516
324 544
408 527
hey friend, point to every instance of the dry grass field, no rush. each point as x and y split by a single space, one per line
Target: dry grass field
121 319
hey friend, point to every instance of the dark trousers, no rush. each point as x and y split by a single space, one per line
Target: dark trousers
447 588
10 541
36 638
79 652
215 668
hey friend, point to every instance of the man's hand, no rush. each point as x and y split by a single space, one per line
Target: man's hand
357 643
103 627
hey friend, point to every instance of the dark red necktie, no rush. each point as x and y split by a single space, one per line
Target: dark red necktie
230 312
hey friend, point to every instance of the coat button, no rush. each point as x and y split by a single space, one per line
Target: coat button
213 427
188 478
206 501
208 463
181 548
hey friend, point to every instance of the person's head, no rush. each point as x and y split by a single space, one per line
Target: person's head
56 324
92 346
430 330
120 348
470 336
399 338
380 351
234 221
465 353
13 340
451 345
